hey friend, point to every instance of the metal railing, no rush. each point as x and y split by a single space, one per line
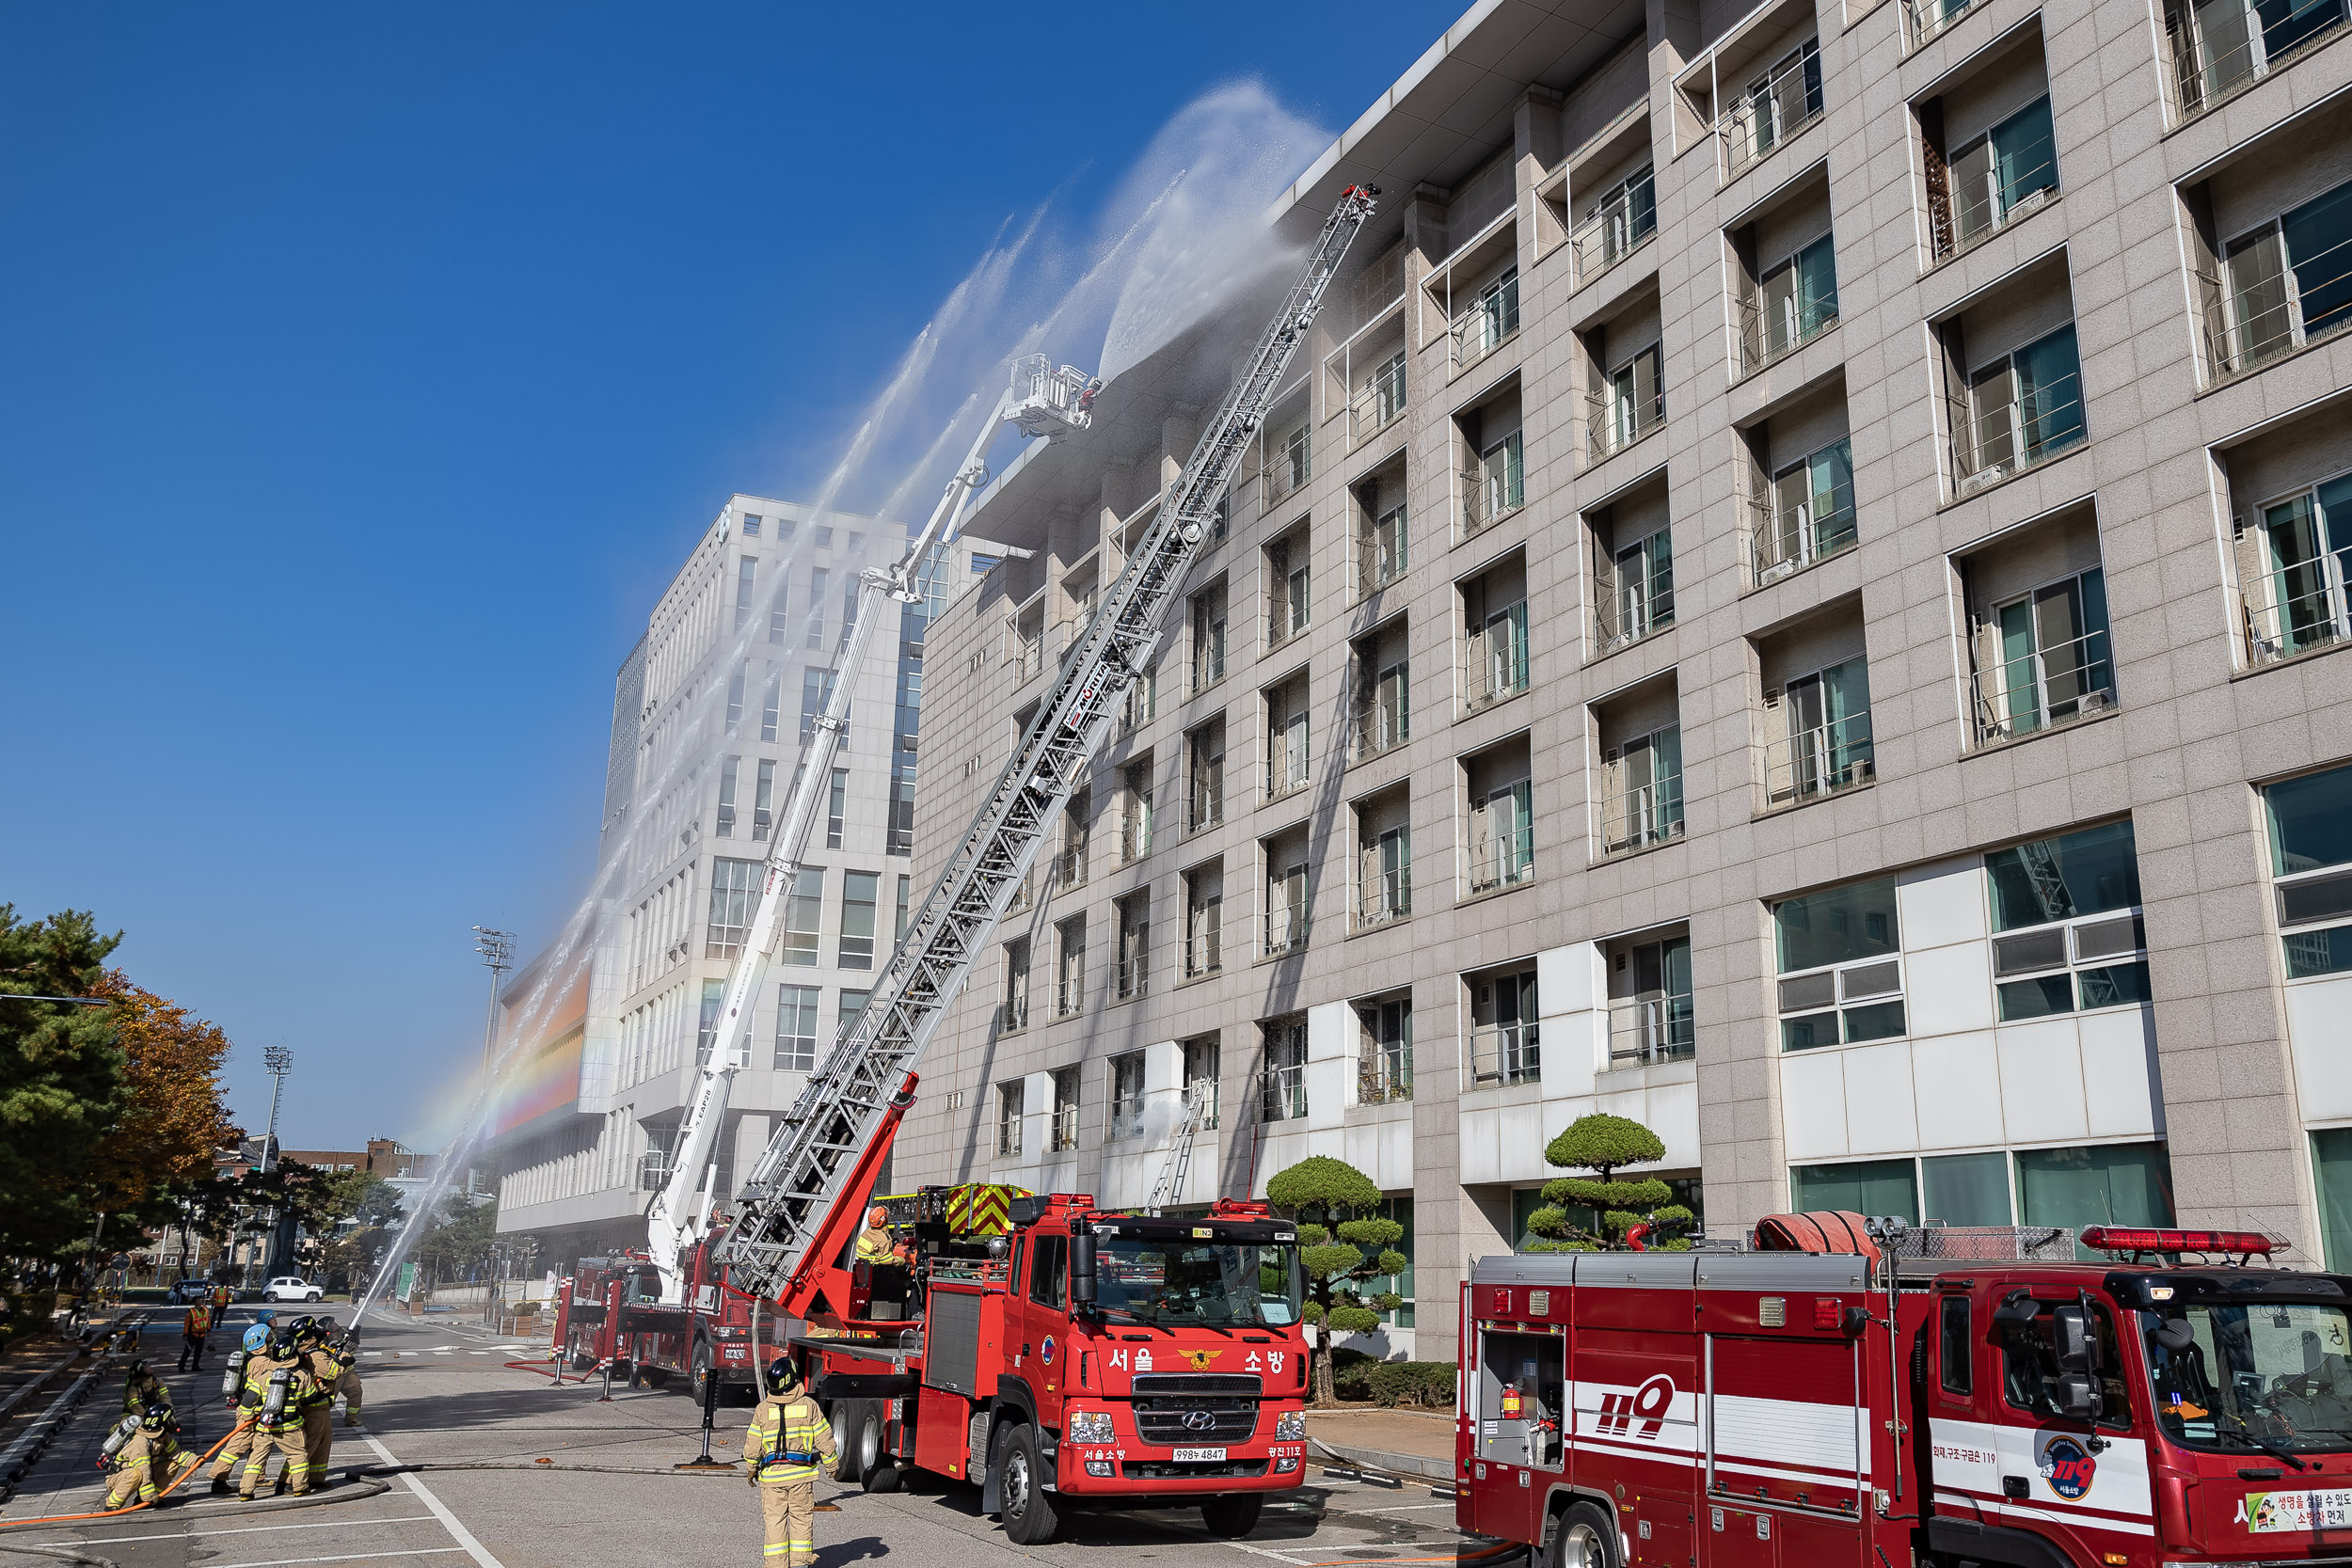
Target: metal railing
1013 1016
1787 540
1389 895
1287 473
1380 727
1070 993
1282 1093
1286 774
2296 623
2004 202
1384 1075
1500 671
1008 1135
2236 344
1064 1136
1285 930
1203 1093
2043 690
1378 403
1126 1120
2204 77
1503 861
1622 618
1642 816
1491 494
1381 561
1825 760
1487 324
1028 659
1135 979
1505 1054
1135 840
1206 806
1925 19
1785 103
2016 437
1204 952
1070 866
1615 231
1647 1032
1023 895
1759 346
1613 423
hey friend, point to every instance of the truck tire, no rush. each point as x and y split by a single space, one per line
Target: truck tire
847 1421
701 1372
1588 1538
1028 1512
1231 1518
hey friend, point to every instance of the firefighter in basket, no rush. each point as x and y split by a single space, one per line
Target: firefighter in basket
874 1243
145 1455
788 1438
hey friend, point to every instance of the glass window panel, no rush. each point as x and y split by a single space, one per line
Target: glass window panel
1817 286
1862 1186
2314 953
2310 821
1972 184
1965 1189
2332 1158
2057 879
2037 998
2115 986
1879 1020
1852 922
2049 391
2100 1184
2025 156
1803 1034
2261 319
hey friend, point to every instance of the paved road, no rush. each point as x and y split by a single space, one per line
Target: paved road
439 1395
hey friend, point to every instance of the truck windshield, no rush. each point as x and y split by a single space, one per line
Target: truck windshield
1218 1283
2232 1377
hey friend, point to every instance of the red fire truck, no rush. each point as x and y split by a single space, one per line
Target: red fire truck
610 1311
2173 1403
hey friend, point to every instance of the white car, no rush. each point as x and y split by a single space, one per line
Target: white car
291 1288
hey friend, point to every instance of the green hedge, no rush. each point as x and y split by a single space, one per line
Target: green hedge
1358 1376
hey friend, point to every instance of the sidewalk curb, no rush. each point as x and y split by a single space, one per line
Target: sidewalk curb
1381 1459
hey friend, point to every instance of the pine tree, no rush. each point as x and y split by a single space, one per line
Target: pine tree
1320 1192
1605 1145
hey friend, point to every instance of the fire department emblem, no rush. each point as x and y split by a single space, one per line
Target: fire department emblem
1047 1351
2068 1466
1639 1413
1200 1359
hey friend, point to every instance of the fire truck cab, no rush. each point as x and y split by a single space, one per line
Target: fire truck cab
1776 1408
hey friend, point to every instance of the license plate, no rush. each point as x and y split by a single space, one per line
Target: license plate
1199 1456
2265 1511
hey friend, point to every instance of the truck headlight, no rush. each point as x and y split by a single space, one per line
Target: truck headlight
1291 1427
1092 1426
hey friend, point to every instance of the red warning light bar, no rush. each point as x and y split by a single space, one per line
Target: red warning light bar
2119 1238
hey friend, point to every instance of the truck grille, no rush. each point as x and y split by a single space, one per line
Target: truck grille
1167 1470
1169 1409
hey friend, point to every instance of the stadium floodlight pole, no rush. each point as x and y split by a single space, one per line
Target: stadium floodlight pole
497 948
279 1060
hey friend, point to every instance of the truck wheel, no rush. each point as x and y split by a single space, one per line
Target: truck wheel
848 1423
1029 1515
698 1379
1230 1518
1586 1539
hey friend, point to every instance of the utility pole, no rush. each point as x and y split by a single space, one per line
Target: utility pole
279 1060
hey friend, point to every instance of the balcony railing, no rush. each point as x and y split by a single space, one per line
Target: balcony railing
1380 727
1012 1017
1202 1093
1065 1129
2208 73
1487 325
1070 866
1023 896
1500 670
1203 954
1615 231
1639 817
1646 1033
1134 977
2239 340
1282 1093
1788 539
1628 617
1770 114
1286 474
1028 658
2043 690
2025 432
1286 775
1378 404
1613 423
1384 1075
1382 558
1285 930
1503 860
1126 1120
1976 216
1135 840
1504 1054
1070 994
1925 19
1206 808
2294 611
1009 1137
1387 897
1827 759
1490 495
1764 342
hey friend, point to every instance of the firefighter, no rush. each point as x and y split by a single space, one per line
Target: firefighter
787 1439
143 1388
347 1385
239 1446
196 1327
150 1460
314 1342
275 1411
874 1244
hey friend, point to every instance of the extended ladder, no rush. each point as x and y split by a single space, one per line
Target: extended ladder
818 1141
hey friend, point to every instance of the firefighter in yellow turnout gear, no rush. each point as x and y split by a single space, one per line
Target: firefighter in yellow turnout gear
148 1460
277 1386
787 1440
874 1244
326 1366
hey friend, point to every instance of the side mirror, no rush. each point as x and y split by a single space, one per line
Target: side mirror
1082 1269
2077 1344
2078 1396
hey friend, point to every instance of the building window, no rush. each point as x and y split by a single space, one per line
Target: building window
2068 932
734 700
1497 641
2094 1184
746 571
1290 601
1840 956
2294 567
2311 849
2332 1163
1817 734
1777 104
1504 1034
1070 866
1387 548
751 525
1384 1069
1490 320
837 808
764 798
1381 398
852 1009
1641 791
860 893
734 891
1008 1099
817 605
1503 837
1622 216
1134 827
1283 1096
2224 46
1204 920
1387 875
727 771
1636 596
1134 946
1012 1015
1286 754
1208 637
2024 409
1127 1096
1628 404
1291 465
1205 758
1286 908
816 691
1795 301
1496 485
2042 659
796 1029
803 916
2002 174
1070 967
1065 1129
1650 1014
1141 704
768 706
898 930
706 1027
1201 1078
1808 515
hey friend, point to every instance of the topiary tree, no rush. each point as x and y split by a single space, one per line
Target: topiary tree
1606 1144
1337 1208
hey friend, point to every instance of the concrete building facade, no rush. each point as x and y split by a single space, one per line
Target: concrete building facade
1797 594
710 711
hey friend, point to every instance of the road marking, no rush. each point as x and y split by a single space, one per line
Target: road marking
349 1557
1408 1508
464 1537
1268 1551
445 1352
245 1529
477 1352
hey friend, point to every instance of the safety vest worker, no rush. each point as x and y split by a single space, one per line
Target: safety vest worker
787 1440
194 1326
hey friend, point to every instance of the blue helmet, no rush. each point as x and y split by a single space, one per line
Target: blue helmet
255 1338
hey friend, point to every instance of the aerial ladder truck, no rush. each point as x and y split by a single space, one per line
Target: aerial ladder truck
1088 1358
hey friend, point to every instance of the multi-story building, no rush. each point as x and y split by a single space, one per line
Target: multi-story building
710 711
1797 594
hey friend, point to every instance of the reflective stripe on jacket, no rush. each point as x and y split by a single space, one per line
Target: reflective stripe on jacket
787 1440
874 1246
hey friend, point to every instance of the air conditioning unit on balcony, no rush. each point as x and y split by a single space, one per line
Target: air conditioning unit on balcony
1983 477
1776 571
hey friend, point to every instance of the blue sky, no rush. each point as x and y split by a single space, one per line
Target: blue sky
368 372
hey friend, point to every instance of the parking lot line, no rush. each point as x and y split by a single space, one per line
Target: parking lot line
464 1537
347 1557
242 1529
